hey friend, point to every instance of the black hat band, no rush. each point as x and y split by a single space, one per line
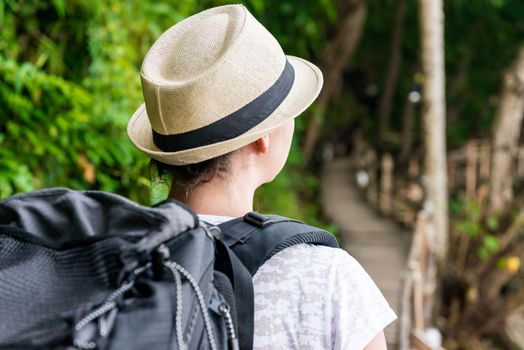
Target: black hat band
234 124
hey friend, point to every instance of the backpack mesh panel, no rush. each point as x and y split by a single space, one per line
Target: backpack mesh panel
39 285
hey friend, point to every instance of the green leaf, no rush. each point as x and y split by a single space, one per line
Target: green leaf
491 243
2 13
5 187
483 254
492 223
23 180
60 7
501 263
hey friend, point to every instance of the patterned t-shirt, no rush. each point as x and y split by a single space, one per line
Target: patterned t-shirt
314 297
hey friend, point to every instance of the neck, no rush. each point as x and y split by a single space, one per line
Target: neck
229 196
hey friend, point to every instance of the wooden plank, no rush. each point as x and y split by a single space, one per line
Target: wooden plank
377 243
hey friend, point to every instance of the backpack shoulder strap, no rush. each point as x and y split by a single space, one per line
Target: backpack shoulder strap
228 263
255 238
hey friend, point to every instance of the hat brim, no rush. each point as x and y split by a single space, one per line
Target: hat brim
306 87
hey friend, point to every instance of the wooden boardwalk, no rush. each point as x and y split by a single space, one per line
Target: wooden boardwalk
376 242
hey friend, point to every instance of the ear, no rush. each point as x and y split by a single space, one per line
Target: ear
262 144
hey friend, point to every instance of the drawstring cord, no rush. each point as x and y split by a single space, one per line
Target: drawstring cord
176 270
110 303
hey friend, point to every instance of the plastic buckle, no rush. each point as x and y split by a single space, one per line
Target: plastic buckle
257 219
158 258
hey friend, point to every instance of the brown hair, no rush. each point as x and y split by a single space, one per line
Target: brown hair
187 177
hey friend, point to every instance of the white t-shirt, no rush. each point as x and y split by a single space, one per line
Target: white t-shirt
314 297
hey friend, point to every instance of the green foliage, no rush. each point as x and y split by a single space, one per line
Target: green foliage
28 134
490 245
69 82
69 74
300 26
470 222
481 230
481 39
482 272
479 51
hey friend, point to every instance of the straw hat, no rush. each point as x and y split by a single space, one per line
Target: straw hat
215 82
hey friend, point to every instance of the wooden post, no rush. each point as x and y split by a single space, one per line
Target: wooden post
419 285
404 324
424 230
386 184
451 175
484 169
418 298
471 169
485 150
520 163
372 172
413 167
359 150
430 276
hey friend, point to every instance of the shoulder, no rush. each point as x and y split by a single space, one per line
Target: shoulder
303 267
310 267
351 310
310 257
314 257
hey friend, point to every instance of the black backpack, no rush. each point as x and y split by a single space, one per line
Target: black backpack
93 270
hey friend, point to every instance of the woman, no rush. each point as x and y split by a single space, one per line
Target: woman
220 102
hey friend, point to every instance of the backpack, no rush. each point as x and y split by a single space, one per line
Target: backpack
94 270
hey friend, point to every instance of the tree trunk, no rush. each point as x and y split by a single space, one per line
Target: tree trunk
506 135
434 118
334 60
395 61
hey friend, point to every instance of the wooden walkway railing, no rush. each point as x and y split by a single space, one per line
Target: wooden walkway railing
402 199
418 290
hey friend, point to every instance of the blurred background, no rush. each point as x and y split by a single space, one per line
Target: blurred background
422 116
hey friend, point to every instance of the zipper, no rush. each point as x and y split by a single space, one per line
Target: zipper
231 335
